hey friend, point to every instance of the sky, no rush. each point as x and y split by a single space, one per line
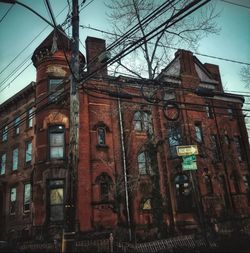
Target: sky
20 26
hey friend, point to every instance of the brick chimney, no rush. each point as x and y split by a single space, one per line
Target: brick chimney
94 47
215 71
187 62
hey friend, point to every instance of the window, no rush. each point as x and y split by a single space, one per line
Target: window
246 180
146 204
231 111
17 125
56 142
104 191
55 89
13 199
209 111
144 164
26 197
56 200
183 194
226 140
208 183
198 132
101 134
28 152
239 148
225 191
5 133
105 182
235 178
15 159
3 164
30 118
174 138
215 148
142 121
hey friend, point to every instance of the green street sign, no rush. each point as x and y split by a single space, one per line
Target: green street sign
189 162
189 159
191 166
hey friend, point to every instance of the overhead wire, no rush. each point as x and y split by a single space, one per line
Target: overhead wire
236 4
170 47
6 13
15 58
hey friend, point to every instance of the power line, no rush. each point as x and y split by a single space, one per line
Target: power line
175 48
6 13
240 5
28 45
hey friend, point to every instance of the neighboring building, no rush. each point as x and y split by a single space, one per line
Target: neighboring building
17 160
129 178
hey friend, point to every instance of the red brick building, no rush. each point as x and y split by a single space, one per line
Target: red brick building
130 179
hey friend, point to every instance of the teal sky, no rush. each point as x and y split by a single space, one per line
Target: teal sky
20 27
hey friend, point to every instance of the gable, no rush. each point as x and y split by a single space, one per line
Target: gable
204 75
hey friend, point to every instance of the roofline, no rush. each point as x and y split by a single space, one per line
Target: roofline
30 86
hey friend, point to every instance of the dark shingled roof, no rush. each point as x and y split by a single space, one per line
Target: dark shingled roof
63 41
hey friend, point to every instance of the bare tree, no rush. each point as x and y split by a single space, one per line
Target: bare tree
186 33
245 76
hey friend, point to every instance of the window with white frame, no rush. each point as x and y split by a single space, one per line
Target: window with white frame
17 125
15 159
26 196
30 118
28 152
55 89
3 164
5 133
144 164
143 121
56 142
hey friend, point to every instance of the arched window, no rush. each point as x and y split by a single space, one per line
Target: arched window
143 121
105 182
184 198
144 164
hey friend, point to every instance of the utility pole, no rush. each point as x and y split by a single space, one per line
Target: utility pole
68 240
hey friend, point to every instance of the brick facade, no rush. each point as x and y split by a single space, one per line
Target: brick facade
129 178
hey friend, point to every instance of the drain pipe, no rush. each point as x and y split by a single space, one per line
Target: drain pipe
124 168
